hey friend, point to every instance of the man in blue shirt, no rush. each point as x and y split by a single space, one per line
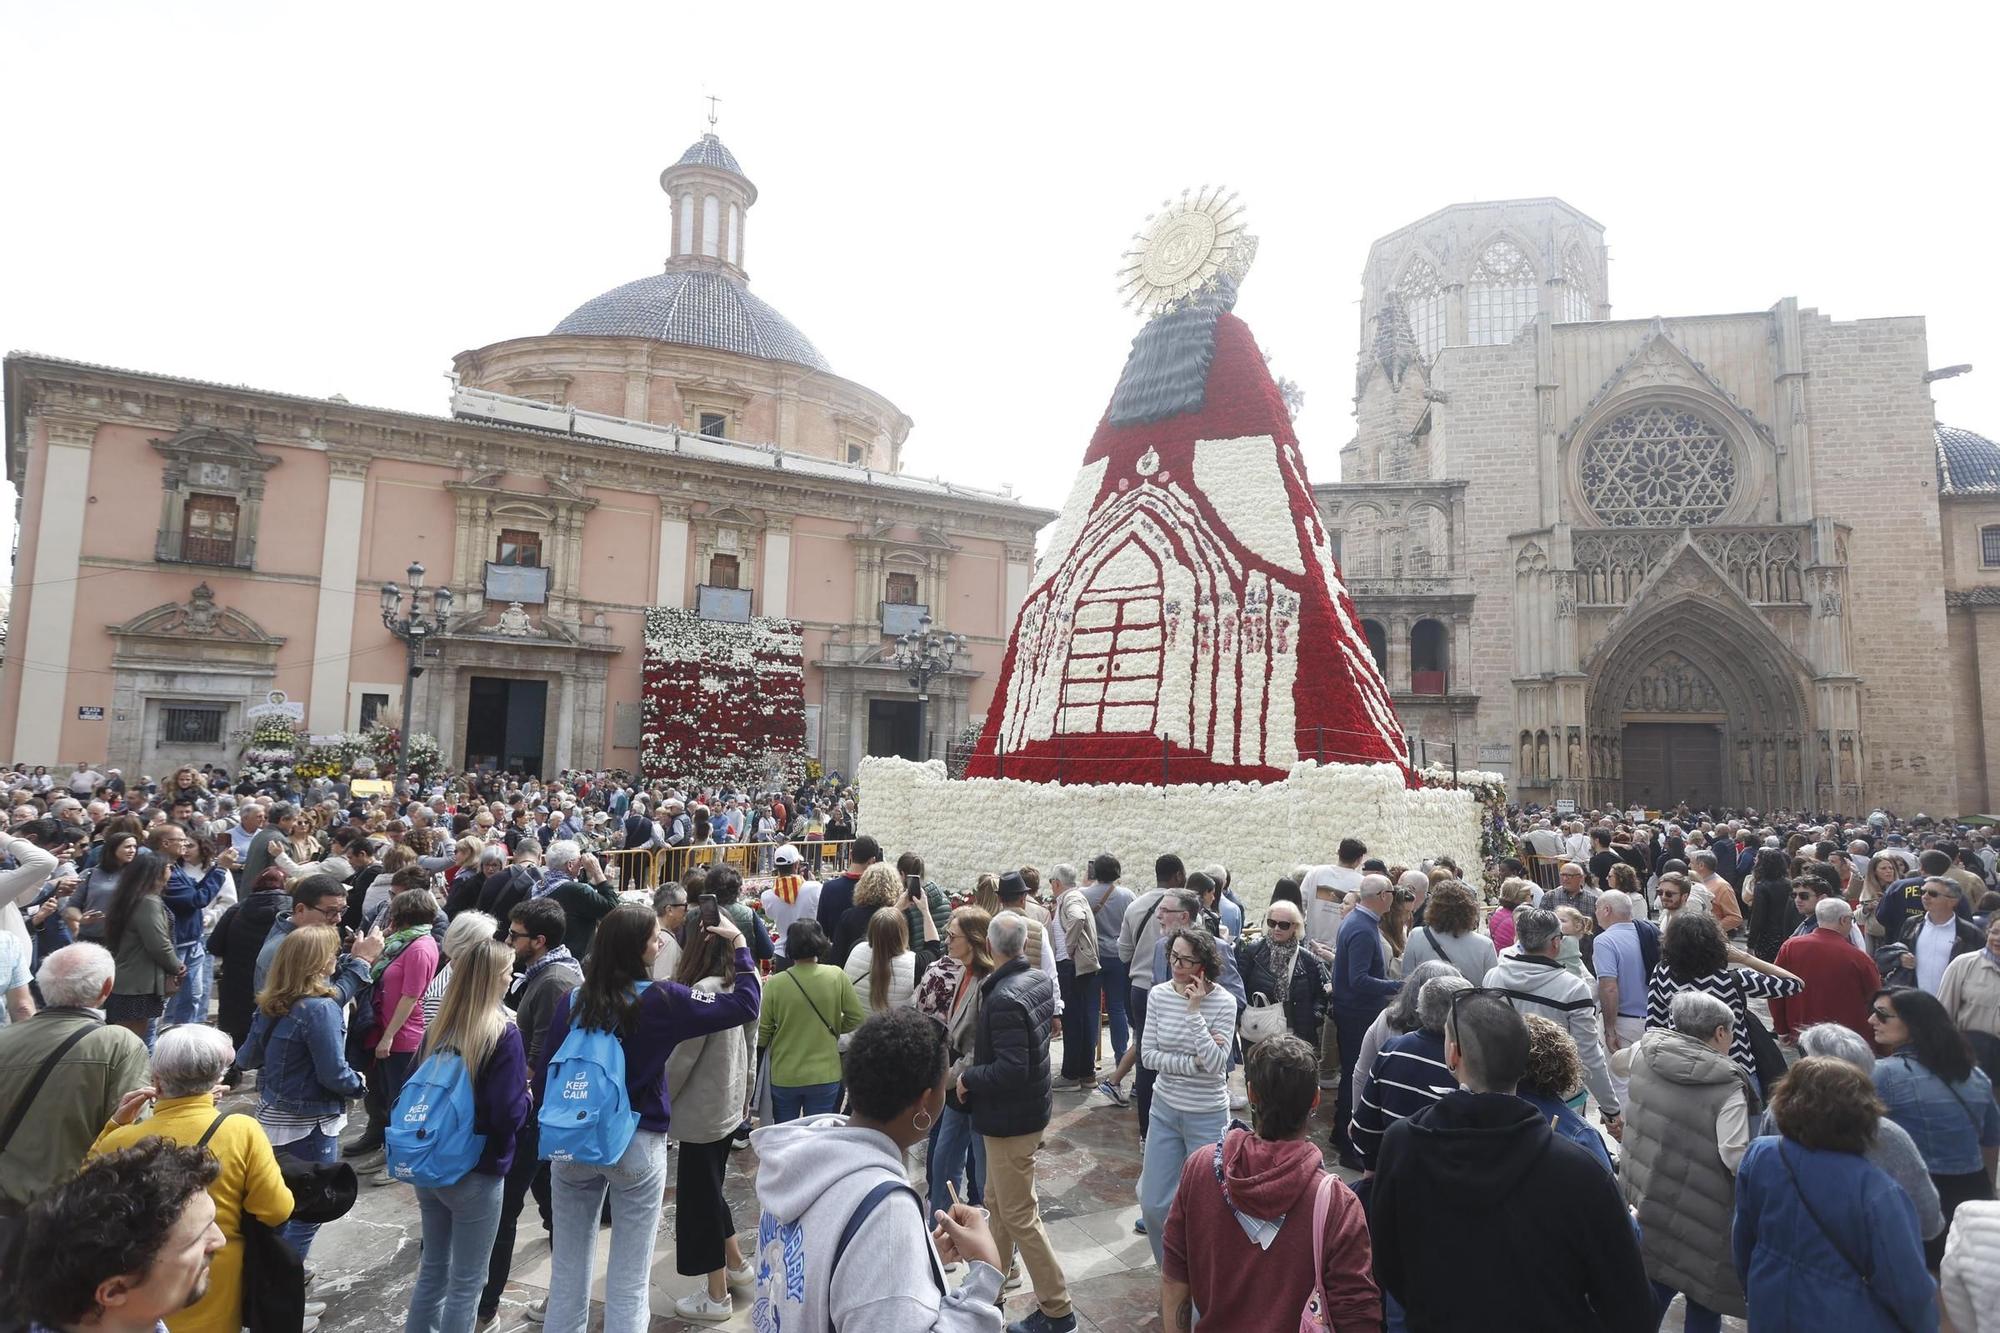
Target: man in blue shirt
1362 989
1621 977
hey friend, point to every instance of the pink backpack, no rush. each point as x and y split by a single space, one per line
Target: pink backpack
1313 1318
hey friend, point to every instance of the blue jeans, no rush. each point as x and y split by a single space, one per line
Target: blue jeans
1700 1319
636 1184
806 1099
316 1147
1173 1135
957 1154
459 1224
1115 978
189 1004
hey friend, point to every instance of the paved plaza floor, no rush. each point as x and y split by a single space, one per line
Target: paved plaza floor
1088 1180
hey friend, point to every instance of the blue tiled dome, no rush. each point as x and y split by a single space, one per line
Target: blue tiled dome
708 151
697 309
1968 464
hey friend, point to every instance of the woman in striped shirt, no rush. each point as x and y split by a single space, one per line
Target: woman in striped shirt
1695 956
1190 1022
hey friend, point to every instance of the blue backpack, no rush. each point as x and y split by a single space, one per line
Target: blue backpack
430 1140
586 1114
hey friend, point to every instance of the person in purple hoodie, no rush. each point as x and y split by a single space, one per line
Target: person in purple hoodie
461 1219
650 1018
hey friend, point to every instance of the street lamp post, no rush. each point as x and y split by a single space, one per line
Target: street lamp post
413 629
921 655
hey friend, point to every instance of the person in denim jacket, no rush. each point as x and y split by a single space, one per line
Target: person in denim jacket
299 1040
1932 1089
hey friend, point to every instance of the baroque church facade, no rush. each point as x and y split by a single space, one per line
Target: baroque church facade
189 549
1726 558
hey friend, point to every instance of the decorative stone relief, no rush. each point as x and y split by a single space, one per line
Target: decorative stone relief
1673 684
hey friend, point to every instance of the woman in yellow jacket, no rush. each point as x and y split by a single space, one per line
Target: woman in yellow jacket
188 1061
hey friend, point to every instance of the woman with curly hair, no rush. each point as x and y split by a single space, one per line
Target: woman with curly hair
1451 931
1554 1079
878 887
1191 1021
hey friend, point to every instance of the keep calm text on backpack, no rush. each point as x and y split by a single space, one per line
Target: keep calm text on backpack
586 1114
430 1139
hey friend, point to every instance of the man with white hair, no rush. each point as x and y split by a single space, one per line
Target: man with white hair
1840 980
583 904
63 1073
1362 988
1622 974
1543 840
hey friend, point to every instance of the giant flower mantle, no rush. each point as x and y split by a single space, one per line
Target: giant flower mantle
724 703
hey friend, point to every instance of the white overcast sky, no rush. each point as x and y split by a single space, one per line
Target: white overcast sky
337 198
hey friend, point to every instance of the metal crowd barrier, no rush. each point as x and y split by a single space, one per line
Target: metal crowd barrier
641 868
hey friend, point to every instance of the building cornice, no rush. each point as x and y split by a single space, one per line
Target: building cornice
161 403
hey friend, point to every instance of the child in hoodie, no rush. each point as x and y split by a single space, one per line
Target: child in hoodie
814 1178
1239 1238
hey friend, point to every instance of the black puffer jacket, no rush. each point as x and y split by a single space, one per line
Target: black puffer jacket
1312 986
235 942
1008 1081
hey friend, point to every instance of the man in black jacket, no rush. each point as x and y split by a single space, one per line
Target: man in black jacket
1483 1218
837 894
1007 1089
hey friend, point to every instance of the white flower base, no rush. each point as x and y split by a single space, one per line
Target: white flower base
1261 831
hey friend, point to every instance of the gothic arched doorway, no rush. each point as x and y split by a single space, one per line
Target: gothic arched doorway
1700 703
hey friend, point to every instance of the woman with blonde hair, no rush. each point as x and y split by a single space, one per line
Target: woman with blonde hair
466 929
1884 869
878 887
886 961
986 893
299 1040
461 1219
950 993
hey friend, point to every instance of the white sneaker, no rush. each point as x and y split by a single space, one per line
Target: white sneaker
538 1312
383 1178
697 1305
744 1278
1239 1101
309 1325
314 1309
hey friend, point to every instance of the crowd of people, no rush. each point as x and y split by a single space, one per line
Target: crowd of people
1742 1066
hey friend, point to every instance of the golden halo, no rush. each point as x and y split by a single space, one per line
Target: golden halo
1184 248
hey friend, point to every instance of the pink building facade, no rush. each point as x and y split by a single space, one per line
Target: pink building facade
186 548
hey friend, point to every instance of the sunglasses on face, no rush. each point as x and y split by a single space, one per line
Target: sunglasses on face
1881 1015
1280 925
1803 894
1933 893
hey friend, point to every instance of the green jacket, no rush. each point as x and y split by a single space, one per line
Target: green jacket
82 1091
804 1007
146 957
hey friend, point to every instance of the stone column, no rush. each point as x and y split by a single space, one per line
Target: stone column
41 654
339 568
671 586
1986 643
775 598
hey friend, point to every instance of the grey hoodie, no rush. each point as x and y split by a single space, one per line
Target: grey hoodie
1545 988
811 1176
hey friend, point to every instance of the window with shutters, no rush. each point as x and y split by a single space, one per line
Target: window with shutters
208 531
518 546
901 590
723 571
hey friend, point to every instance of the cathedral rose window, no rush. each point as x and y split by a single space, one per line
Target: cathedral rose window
1658 466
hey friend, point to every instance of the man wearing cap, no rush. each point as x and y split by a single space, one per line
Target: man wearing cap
790 898
1039 952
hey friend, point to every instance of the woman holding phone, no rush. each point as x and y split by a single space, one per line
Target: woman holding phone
1190 1022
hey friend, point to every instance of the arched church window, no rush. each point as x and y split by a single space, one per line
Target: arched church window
1422 293
1501 296
711 226
1378 644
1658 466
1577 305
1428 657
686 246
